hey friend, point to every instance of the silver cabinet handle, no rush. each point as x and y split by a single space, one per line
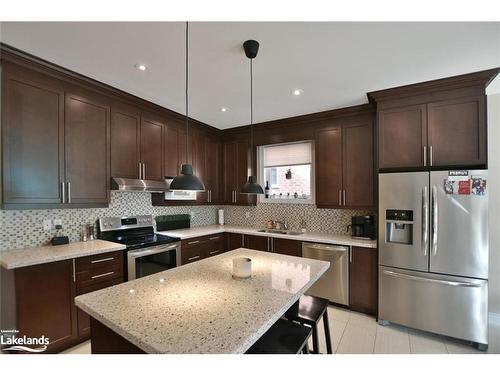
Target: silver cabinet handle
268 244
214 238
140 170
272 244
430 155
340 197
102 275
193 242
69 191
425 220
329 248
193 258
434 209
242 240
436 281
214 252
101 260
63 193
144 171
344 196
74 271
425 156
350 254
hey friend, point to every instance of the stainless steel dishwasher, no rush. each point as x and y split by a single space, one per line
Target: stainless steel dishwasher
334 283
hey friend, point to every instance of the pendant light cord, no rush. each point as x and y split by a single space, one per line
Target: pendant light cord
251 115
187 101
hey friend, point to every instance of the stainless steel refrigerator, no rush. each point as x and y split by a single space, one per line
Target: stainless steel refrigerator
433 252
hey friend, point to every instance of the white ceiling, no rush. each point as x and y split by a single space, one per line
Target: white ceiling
334 63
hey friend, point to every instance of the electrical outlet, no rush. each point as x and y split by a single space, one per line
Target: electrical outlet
47 224
247 214
58 223
192 214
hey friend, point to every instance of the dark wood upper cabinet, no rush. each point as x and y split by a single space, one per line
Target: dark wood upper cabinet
287 247
125 142
172 162
363 280
357 169
457 132
152 148
329 167
402 136
212 167
86 129
235 173
257 242
33 141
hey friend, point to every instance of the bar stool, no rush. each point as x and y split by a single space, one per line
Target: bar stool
284 337
309 310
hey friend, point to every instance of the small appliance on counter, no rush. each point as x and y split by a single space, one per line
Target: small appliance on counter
221 216
362 227
172 222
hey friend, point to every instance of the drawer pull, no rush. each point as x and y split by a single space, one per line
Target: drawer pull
193 258
101 260
193 242
102 275
214 238
214 252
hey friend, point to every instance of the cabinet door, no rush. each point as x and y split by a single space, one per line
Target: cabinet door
194 249
329 167
212 165
233 241
33 141
287 247
242 172
357 160
199 165
229 169
457 132
125 142
257 242
172 163
402 136
363 280
87 149
45 303
152 148
216 244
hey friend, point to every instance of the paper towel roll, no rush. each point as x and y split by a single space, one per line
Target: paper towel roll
221 216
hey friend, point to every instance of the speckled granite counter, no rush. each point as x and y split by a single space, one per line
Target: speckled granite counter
11 259
199 307
337 239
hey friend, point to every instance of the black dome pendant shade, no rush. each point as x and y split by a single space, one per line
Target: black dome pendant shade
251 48
187 181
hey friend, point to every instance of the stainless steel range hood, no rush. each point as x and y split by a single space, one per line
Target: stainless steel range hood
132 184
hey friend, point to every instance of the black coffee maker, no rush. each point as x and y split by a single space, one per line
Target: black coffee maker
362 227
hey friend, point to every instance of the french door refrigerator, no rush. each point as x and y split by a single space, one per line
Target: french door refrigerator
433 252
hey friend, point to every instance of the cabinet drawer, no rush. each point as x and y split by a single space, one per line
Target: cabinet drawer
99 260
96 269
193 253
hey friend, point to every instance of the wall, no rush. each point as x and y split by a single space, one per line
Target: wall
25 227
494 198
317 220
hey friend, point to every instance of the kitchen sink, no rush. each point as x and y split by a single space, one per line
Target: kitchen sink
279 231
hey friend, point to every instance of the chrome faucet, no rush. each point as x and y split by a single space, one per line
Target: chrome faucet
281 224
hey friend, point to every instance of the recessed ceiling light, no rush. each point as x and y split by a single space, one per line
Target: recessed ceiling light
223 109
141 67
297 92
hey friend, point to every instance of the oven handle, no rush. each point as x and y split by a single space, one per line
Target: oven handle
161 249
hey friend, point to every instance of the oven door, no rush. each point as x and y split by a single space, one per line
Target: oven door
147 261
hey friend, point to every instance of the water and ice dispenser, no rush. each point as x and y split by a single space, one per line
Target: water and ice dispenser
399 226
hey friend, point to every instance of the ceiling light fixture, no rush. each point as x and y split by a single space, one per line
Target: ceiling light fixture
140 67
187 181
223 109
297 92
251 48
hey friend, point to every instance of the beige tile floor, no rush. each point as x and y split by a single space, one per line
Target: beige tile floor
353 332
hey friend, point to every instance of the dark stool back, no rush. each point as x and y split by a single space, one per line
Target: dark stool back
283 337
309 310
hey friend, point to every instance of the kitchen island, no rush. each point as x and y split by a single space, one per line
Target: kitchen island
198 307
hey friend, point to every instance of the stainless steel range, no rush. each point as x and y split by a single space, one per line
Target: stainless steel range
147 252
433 252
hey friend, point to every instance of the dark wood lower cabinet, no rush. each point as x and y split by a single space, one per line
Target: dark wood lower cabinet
287 247
106 341
194 249
363 280
233 241
257 242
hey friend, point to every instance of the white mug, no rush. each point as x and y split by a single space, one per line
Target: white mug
242 268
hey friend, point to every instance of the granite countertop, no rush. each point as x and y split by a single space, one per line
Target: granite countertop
337 239
17 258
199 307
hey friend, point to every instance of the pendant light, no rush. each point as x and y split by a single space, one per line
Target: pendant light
187 181
251 48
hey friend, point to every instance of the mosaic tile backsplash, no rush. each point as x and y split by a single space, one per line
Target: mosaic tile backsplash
317 220
24 228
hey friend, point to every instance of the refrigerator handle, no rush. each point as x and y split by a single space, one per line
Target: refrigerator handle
425 220
434 214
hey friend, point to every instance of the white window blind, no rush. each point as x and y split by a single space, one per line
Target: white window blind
288 154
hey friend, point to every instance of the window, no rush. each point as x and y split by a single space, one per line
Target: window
287 169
